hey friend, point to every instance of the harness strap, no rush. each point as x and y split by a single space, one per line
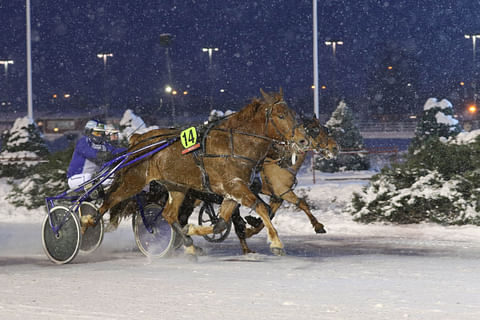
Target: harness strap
205 178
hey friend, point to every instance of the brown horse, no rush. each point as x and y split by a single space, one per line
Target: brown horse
230 152
278 182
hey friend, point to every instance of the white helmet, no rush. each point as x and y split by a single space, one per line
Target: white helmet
95 130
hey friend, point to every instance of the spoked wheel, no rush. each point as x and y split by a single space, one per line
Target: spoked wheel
93 236
155 237
208 216
61 235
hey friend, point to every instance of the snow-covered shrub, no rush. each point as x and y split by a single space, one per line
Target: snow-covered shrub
438 182
22 147
348 138
45 179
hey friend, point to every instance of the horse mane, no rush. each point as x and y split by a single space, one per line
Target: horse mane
244 115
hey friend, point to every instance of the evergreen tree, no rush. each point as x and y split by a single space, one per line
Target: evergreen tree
437 121
392 86
348 138
46 179
437 182
22 147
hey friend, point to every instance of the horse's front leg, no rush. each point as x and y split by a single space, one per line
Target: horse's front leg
302 204
275 204
248 199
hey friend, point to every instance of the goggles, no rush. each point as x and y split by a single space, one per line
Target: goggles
98 133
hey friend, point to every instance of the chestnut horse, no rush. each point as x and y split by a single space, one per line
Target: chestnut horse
230 151
279 180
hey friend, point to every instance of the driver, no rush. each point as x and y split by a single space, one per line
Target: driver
91 151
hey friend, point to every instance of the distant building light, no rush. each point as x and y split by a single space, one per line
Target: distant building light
413 117
174 92
168 89
324 87
55 129
55 96
472 108
66 95
462 83
389 67
222 90
185 92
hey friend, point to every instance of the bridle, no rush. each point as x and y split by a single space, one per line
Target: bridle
283 139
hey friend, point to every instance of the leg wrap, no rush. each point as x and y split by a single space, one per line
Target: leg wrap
187 240
220 226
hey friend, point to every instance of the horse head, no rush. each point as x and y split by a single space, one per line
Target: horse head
323 142
282 123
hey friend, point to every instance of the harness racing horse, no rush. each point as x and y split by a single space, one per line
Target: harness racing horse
230 151
279 180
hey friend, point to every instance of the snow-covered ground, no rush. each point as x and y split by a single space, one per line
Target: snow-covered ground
354 271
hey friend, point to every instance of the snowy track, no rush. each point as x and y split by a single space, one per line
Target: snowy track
375 272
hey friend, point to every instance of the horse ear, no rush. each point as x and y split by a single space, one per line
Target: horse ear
266 96
281 92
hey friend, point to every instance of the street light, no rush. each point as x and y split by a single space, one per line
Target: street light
210 51
104 56
474 38
334 44
5 64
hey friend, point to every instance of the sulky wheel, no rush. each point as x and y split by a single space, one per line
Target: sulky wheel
208 216
61 235
154 237
93 236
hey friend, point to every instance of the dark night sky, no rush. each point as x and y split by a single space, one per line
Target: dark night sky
264 44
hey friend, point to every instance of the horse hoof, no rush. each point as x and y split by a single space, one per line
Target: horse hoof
320 229
192 257
245 252
278 251
199 251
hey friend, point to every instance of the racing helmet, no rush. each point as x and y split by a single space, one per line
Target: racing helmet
111 132
95 131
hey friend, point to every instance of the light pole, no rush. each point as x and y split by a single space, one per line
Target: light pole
29 62
166 42
334 44
474 38
5 64
315 61
104 57
210 51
